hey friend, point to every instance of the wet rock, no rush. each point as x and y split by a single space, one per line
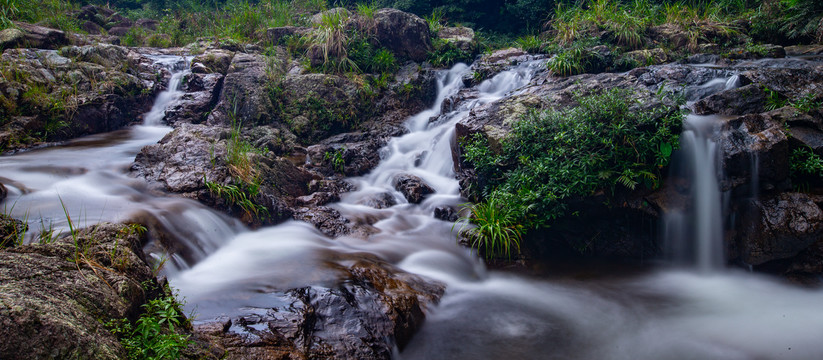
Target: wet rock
749 99
754 137
54 308
317 199
244 97
779 227
379 201
11 229
33 36
446 213
405 34
329 221
202 93
812 138
491 64
791 78
412 187
461 36
364 317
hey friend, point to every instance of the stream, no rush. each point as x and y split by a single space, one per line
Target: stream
650 313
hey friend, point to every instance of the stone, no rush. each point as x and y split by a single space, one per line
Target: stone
147 24
39 37
214 60
804 50
405 34
119 30
779 227
749 99
461 36
11 37
749 137
329 221
412 187
202 93
446 213
244 98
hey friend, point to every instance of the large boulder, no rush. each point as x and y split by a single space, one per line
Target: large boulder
32 36
405 34
757 137
244 98
461 36
54 307
201 94
779 227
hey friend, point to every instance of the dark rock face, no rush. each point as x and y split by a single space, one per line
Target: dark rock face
362 318
405 34
780 227
412 187
329 221
750 99
446 213
54 308
754 137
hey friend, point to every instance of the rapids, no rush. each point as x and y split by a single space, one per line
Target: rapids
640 314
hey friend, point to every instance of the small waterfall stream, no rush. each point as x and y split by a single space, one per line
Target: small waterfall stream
657 314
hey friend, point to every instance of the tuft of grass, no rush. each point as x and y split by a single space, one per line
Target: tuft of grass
331 40
529 43
497 229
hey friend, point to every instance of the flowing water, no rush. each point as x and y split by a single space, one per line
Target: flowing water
659 314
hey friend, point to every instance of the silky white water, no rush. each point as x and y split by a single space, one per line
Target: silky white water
641 314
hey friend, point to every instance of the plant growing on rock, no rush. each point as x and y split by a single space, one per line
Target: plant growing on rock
330 39
157 334
497 229
552 156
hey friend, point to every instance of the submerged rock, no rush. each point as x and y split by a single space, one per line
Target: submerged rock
412 187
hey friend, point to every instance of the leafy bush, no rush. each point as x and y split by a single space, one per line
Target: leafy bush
446 54
156 334
553 156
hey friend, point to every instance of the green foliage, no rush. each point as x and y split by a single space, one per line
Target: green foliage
773 99
51 13
370 59
8 11
157 333
569 61
241 195
496 229
530 43
336 159
807 103
435 20
446 54
804 162
553 156
331 39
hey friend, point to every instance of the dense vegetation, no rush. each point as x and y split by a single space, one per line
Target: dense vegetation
604 143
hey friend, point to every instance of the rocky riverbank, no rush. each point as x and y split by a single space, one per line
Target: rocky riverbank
263 136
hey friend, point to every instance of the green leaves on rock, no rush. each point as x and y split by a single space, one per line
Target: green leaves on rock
553 156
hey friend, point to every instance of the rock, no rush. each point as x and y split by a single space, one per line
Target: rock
375 308
461 36
147 24
329 221
35 36
107 55
319 198
119 30
3 192
648 57
244 98
412 187
779 227
214 60
750 137
92 28
491 64
749 99
405 34
791 78
812 138
446 213
11 37
383 200
759 51
804 50
277 35
54 308
202 93
11 229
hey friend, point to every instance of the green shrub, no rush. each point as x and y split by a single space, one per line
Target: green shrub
552 156
446 54
156 334
530 43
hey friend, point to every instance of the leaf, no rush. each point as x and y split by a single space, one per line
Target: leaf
666 149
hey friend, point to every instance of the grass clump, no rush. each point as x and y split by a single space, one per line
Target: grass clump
496 230
553 156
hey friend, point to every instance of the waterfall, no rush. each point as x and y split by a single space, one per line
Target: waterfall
179 66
